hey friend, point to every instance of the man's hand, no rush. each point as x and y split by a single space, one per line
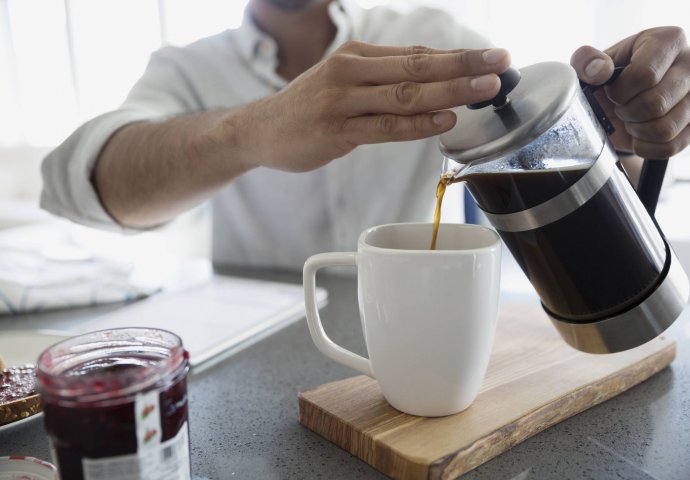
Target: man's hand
149 172
363 94
649 104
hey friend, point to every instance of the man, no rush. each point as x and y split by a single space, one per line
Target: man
255 119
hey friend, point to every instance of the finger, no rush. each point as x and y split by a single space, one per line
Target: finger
649 56
364 49
662 150
397 128
430 67
591 65
657 101
409 98
664 129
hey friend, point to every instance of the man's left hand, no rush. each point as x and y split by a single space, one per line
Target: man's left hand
649 104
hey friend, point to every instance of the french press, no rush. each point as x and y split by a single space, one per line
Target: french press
538 162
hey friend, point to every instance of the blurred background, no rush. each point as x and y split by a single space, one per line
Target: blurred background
65 61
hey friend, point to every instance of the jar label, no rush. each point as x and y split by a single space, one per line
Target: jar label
168 460
147 414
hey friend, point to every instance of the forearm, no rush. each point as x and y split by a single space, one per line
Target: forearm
149 172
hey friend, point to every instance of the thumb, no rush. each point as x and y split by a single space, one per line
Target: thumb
591 65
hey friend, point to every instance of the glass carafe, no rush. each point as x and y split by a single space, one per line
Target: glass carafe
539 164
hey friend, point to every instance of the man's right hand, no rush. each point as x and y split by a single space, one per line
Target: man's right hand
361 94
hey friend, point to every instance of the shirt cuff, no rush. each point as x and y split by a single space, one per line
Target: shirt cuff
67 187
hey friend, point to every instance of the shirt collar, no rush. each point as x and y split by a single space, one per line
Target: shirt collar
255 45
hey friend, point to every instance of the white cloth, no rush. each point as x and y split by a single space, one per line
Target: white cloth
267 217
32 282
43 268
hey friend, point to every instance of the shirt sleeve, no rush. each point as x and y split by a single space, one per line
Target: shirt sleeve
162 92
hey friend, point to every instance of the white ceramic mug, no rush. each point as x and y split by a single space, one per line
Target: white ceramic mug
428 316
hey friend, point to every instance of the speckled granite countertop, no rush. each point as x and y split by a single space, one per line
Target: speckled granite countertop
243 413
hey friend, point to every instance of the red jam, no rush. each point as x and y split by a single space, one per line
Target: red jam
92 386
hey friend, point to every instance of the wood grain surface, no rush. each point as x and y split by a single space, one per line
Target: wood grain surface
534 380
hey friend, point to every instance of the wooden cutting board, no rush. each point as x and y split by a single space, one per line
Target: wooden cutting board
534 380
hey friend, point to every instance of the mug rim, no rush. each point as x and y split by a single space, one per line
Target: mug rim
363 245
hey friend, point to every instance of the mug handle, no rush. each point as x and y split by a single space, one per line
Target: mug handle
318 334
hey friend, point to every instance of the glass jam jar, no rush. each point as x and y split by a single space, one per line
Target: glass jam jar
115 404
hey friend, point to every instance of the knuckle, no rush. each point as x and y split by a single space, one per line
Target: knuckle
464 60
676 33
334 127
644 75
387 124
420 125
679 143
418 49
405 95
672 35
656 105
326 102
351 46
666 150
417 65
664 130
337 63
657 150
456 88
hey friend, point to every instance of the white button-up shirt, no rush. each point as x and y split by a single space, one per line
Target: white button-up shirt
269 217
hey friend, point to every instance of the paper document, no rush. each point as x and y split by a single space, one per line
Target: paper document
216 318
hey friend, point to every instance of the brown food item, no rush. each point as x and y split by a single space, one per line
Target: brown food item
18 395
2 363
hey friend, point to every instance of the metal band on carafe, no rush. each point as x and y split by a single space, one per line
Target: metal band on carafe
562 204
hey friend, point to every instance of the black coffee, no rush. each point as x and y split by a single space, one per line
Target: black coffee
511 192
443 182
588 265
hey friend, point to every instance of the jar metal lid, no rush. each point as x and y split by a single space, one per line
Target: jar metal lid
18 467
543 95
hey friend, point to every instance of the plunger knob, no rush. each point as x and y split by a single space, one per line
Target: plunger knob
509 80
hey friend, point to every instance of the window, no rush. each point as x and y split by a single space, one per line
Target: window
65 61
70 60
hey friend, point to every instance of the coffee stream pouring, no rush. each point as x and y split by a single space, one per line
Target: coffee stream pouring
538 162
